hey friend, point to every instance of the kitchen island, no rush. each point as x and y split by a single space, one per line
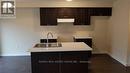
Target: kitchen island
71 57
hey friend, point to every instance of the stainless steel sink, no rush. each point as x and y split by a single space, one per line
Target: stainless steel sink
45 45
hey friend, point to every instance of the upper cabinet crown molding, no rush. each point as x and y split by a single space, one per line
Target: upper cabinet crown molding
82 16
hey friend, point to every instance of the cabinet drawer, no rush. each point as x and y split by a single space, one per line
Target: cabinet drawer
48 56
76 56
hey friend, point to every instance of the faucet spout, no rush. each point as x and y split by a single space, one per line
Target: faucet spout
49 33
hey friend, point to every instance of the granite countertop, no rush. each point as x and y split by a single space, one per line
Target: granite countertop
66 46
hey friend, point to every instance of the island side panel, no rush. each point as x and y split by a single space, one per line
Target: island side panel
44 62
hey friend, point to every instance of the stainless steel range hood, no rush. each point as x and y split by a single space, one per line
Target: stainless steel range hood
65 20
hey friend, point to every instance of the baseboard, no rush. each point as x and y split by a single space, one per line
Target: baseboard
15 55
124 64
99 53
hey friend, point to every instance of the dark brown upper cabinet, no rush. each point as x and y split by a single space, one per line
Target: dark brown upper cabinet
100 11
48 16
82 16
66 12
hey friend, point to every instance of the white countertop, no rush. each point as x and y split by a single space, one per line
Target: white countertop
54 37
66 46
81 37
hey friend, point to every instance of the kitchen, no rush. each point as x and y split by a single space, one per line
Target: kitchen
22 33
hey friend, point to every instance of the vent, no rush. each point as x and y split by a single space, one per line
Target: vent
65 20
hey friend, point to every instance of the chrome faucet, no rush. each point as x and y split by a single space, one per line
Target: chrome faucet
49 33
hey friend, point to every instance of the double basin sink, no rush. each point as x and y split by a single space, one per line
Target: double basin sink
46 45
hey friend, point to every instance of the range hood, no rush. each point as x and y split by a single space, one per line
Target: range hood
65 20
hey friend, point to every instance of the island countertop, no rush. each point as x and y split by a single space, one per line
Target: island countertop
66 46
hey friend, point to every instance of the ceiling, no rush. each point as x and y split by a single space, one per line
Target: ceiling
62 0
64 3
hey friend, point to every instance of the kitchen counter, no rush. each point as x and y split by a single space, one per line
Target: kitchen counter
83 37
71 57
66 46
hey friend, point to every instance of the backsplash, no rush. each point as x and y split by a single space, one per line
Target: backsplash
65 31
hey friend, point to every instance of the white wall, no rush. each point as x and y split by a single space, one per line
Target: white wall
100 34
0 37
20 34
119 31
129 41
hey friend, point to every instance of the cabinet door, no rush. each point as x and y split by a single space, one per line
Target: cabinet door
45 62
48 16
84 20
79 17
75 62
49 40
66 12
52 16
100 11
82 17
43 16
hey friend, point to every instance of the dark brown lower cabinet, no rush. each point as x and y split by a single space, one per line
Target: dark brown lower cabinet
60 62
75 62
49 40
88 41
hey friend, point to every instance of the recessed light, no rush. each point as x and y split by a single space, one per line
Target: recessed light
68 0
